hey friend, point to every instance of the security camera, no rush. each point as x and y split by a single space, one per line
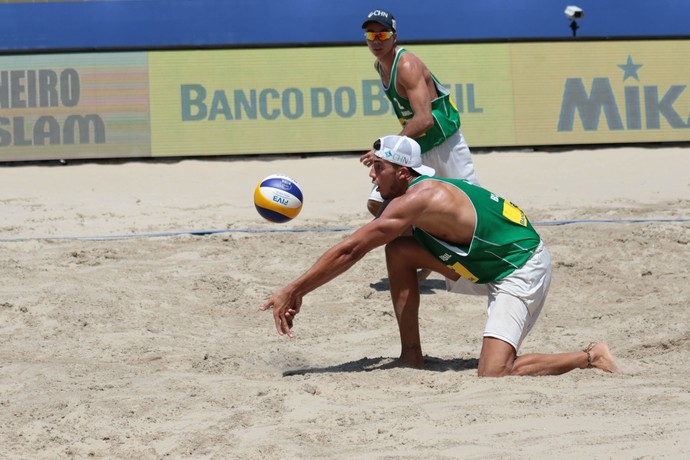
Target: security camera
574 12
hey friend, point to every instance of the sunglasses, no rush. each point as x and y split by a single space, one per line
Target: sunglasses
371 36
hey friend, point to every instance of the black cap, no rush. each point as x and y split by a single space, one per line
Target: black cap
382 17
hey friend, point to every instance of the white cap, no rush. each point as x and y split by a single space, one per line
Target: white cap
403 151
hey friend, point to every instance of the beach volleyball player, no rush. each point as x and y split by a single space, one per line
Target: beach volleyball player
461 231
423 106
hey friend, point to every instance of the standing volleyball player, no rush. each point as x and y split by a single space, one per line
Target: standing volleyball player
421 103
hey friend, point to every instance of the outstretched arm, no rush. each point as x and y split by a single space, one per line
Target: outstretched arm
287 302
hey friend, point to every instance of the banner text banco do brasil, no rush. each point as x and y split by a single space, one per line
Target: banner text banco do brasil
197 103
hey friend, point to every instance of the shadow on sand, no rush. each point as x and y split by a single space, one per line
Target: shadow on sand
426 287
372 364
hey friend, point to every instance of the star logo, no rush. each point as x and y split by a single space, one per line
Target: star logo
630 69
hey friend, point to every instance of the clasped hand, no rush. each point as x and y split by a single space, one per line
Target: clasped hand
285 306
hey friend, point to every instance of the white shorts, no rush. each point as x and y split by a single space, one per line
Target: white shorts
451 159
515 301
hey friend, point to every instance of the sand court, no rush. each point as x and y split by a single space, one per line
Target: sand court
129 322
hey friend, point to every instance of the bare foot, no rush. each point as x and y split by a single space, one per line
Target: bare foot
423 274
602 358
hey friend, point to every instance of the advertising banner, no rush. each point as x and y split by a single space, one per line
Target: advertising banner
601 92
310 100
329 99
266 100
74 106
508 94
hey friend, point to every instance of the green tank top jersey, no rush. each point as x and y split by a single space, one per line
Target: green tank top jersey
503 240
443 109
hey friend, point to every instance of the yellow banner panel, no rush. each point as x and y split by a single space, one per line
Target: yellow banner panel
74 106
306 99
266 101
601 92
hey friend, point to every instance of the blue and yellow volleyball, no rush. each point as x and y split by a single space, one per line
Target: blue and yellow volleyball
278 198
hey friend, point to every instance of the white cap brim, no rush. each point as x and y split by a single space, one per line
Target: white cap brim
425 170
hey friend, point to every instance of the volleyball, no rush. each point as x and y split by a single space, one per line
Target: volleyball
278 198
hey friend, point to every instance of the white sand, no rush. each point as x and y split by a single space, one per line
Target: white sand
153 347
